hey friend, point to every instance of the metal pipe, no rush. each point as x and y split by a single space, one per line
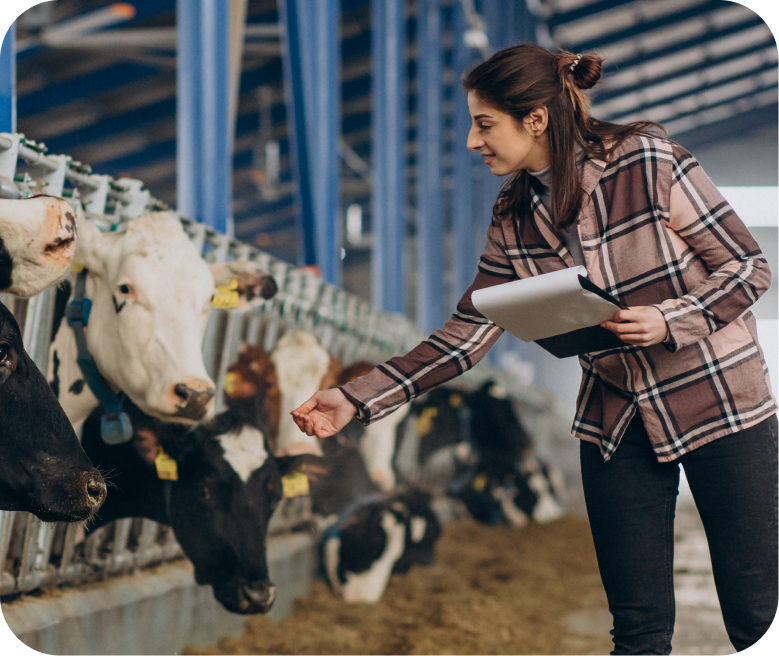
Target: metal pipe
430 221
8 82
388 134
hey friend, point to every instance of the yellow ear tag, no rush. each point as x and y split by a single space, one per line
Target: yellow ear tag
167 470
425 421
294 485
226 296
456 401
231 378
480 482
76 268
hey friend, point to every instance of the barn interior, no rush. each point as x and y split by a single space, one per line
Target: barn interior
326 140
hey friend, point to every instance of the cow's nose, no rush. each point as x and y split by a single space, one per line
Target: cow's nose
96 492
258 596
192 399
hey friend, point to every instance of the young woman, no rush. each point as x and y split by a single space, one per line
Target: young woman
689 387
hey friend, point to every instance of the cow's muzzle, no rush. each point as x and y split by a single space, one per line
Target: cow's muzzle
192 402
247 598
74 501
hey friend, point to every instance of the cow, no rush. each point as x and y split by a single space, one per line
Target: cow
374 537
303 367
434 440
526 490
227 485
37 243
151 295
377 443
43 469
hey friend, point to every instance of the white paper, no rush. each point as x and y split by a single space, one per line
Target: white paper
544 305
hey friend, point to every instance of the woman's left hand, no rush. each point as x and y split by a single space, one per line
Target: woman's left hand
642 325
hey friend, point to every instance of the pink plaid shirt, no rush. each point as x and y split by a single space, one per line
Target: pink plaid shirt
654 231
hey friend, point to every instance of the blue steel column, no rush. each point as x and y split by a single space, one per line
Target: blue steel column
430 219
8 82
310 54
388 275
464 258
203 157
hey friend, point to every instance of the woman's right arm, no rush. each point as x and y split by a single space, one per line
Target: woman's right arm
448 352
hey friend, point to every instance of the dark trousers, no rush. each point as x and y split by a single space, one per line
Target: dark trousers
631 503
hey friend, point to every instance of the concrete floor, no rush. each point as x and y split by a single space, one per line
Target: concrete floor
699 626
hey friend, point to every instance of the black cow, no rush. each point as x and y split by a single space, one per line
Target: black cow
228 485
43 469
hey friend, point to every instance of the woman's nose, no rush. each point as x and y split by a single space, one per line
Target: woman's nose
474 141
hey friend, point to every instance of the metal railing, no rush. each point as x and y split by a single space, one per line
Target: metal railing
35 554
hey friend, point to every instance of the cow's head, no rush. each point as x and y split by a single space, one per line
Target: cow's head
303 367
37 243
227 489
43 469
251 383
151 295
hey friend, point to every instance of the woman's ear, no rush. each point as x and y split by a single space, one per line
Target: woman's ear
536 121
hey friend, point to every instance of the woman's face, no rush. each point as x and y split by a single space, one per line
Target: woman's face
505 145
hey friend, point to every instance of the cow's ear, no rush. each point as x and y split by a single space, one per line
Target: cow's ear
251 283
147 445
90 244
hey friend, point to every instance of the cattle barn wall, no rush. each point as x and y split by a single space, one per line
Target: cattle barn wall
157 611
34 555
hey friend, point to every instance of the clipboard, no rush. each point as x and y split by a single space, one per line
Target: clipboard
560 311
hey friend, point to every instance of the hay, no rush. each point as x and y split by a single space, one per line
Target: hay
494 590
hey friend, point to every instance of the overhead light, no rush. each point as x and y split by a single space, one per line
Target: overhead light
70 30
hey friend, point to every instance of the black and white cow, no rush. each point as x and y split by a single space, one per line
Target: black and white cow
151 295
367 534
434 441
375 536
43 469
37 243
228 485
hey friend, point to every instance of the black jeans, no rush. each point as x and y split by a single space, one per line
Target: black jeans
631 503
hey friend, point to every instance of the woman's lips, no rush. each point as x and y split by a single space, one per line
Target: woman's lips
488 159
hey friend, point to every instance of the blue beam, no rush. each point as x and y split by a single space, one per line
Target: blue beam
204 170
388 100
430 218
8 82
463 253
310 55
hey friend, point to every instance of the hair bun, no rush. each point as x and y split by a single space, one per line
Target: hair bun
583 70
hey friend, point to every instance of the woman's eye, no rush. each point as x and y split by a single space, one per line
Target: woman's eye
484 127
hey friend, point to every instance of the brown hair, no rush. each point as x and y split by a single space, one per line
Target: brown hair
518 79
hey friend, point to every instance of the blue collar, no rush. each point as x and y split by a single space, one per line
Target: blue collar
115 425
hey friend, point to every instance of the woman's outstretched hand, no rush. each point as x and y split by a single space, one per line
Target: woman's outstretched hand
325 413
642 325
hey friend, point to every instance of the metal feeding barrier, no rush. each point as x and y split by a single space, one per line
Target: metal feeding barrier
35 554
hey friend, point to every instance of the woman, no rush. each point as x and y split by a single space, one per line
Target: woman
690 386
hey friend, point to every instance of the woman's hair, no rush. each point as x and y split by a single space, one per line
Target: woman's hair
517 80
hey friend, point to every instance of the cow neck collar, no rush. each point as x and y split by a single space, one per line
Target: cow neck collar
115 425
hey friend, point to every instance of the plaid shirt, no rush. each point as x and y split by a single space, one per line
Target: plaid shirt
654 231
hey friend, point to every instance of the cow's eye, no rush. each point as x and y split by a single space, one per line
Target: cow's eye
125 289
3 352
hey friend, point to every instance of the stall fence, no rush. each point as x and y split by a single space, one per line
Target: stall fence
35 554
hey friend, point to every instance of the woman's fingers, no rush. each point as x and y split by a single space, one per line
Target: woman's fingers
639 326
307 407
